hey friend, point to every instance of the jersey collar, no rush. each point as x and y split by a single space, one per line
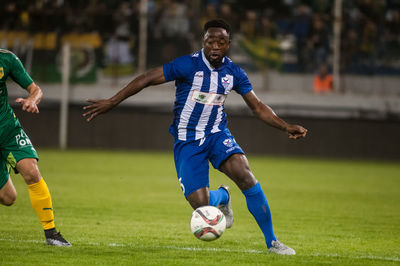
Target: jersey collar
210 67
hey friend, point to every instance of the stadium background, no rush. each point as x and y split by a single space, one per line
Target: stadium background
280 44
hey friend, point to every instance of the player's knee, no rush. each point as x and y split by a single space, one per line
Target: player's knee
238 169
31 176
29 170
247 183
8 199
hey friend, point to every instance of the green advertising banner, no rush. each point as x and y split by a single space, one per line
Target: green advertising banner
41 54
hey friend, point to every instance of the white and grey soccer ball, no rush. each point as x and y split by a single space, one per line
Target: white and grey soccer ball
207 223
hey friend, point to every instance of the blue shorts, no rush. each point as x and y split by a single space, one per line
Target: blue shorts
192 157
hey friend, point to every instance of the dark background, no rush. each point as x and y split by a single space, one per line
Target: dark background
144 129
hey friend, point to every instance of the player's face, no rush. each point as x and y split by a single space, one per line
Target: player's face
216 45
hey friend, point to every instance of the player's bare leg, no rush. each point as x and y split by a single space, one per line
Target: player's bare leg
198 198
237 168
8 194
29 170
41 200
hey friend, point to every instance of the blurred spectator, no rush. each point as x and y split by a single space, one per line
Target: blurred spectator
323 81
118 51
268 27
210 12
122 17
301 29
171 36
391 35
249 26
99 17
322 6
350 50
368 47
174 21
320 40
229 16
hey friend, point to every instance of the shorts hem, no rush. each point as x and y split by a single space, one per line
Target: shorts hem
16 161
2 184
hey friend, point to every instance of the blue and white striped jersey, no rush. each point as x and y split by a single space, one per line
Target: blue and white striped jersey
201 91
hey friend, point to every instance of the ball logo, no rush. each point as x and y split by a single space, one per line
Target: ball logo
228 142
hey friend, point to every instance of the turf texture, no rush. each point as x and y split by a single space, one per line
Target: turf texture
126 208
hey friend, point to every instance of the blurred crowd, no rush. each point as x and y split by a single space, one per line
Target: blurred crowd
289 35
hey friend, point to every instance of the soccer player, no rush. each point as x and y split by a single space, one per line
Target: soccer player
17 152
203 81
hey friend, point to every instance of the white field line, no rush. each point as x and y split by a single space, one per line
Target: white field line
372 257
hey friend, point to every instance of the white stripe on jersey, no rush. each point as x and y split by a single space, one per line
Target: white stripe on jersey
189 106
205 114
218 119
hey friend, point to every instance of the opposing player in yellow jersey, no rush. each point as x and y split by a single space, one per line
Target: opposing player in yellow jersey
16 150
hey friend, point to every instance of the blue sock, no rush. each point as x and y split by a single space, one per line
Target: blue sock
258 207
219 196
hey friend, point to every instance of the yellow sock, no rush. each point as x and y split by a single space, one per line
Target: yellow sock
41 202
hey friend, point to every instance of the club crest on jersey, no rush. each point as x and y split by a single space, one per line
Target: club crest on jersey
1 72
228 142
226 81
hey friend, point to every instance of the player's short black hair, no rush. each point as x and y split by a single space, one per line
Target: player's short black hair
217 23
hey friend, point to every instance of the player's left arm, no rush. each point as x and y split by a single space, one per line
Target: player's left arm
30 103
266 114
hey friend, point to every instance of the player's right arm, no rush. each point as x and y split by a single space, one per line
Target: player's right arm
267 115
152 77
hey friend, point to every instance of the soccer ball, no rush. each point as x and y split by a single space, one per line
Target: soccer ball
207 223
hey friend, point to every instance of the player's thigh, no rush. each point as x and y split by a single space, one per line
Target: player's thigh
20 155
223 146
228 157
192 167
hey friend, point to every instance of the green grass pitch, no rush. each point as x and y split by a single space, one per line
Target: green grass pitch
126 208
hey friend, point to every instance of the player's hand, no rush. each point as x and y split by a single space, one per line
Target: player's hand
97 107
28 105
296 131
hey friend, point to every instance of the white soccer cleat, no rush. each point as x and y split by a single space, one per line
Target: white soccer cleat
281 249
226 208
